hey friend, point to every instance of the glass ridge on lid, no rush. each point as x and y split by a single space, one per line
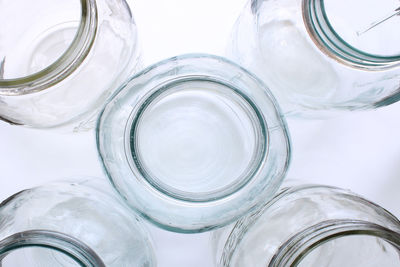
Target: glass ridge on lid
193 142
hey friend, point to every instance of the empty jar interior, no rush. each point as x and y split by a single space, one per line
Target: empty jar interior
74 52
360 33
34 35
197 139
367 25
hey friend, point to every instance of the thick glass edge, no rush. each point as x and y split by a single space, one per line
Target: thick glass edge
241 227
92 187
299 246
69 246
331 44
244 224
63 66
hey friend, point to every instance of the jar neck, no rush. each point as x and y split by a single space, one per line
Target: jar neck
69 246
63 66
293 251
330 43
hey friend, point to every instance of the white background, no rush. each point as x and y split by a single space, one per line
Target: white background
358 150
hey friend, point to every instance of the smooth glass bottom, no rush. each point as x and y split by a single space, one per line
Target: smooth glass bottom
196 138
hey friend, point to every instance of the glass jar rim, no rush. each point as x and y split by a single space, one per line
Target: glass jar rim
67 245
147 198
331 44
332 228
294 250
66 64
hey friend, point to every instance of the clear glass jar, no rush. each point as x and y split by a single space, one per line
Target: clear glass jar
194 142
60 60
71 224
322 55
312 225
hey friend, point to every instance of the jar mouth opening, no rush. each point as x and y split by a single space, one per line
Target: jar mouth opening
208 138
74 249
64 65
297 248
331 43
305 241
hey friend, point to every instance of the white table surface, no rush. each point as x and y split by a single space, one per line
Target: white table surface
357 150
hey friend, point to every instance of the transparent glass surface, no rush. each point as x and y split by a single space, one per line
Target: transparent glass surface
61 60
27 257
322 56
71 224
312 225
193 143
368 26
33 40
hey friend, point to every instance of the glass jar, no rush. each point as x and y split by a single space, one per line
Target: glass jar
322 55
193 143
71 224
312 225
60 60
